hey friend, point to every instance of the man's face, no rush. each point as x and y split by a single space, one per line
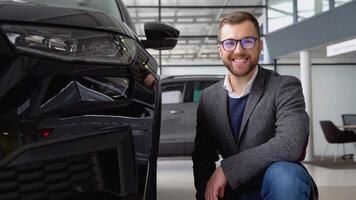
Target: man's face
240 62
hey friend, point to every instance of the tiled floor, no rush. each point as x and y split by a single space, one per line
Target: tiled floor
175 181
334 184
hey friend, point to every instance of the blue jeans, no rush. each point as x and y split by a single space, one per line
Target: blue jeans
281 181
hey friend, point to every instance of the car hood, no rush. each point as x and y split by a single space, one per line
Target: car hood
53 16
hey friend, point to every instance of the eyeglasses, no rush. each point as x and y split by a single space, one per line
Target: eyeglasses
246 43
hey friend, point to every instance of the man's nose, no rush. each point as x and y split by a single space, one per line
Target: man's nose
239 48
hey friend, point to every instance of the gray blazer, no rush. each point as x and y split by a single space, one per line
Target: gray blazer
274 127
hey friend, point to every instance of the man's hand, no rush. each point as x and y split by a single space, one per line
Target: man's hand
215 186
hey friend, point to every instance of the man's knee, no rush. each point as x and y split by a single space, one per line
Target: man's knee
285 173
286 177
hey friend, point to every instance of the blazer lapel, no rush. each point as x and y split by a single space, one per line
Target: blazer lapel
223 121
255 95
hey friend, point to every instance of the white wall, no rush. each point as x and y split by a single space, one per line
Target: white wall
333 94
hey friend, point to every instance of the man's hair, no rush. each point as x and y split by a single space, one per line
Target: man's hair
237 18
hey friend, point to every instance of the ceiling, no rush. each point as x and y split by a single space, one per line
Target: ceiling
197 22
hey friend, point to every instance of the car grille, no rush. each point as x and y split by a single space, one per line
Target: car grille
56 179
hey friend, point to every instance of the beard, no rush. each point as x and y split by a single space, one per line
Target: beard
240 72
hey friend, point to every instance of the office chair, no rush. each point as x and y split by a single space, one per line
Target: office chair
336 136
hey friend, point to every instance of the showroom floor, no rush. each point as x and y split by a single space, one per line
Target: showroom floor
175 180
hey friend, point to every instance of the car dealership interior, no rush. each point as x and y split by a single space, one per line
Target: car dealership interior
311 40
99 98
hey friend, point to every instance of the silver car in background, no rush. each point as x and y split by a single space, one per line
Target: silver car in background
180 98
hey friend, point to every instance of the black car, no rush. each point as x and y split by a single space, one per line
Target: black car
79 101
180 98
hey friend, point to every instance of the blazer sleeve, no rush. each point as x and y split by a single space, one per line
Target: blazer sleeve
291 133
204 154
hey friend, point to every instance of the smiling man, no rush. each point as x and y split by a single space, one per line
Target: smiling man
255 119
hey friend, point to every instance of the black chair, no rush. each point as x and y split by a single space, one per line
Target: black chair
336 136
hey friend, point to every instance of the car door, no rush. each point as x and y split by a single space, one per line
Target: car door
192 99
172 124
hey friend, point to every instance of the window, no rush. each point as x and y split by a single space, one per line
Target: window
195 90
341 2
172 94
308 9
280 14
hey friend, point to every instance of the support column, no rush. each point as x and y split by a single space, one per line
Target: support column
266 56
305 77
295 11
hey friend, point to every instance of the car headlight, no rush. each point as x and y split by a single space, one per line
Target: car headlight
72 44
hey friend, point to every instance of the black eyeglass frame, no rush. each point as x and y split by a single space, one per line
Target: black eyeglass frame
239 42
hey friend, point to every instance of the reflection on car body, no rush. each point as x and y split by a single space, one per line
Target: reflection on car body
78 114
180 97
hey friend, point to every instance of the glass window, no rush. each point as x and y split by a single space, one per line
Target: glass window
280 14
172 94
198 87
308 9
198 29
126 16
341 2
140 2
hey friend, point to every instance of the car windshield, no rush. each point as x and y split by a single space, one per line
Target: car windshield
106 6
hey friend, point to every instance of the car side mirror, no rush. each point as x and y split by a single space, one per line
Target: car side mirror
160 36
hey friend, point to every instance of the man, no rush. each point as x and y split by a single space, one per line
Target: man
255 119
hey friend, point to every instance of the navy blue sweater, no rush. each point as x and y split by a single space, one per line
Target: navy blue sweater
236 111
